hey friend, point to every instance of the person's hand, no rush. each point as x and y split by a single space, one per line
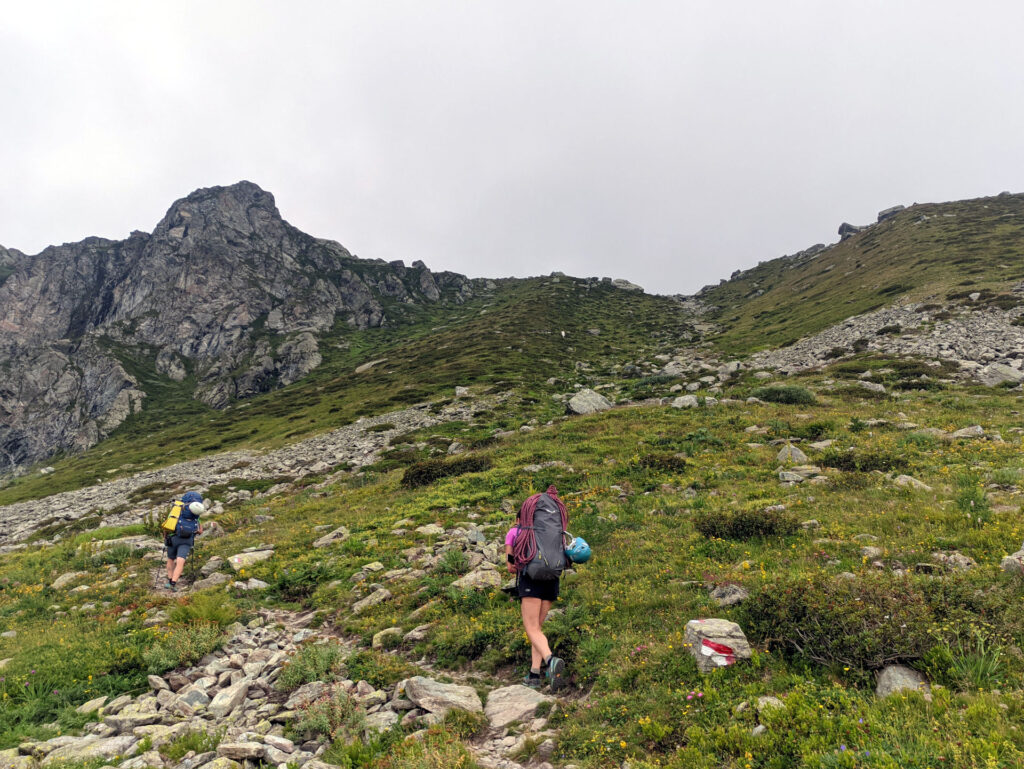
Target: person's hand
511 568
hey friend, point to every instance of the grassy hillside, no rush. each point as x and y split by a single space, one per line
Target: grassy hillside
653 490
927 252
510 338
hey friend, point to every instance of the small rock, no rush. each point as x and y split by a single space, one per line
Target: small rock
729 595
512 703
899 678
907 480
716 643
340 534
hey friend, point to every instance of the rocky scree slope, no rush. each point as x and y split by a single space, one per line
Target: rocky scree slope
224 296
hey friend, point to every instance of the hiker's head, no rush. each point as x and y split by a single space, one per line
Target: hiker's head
191 496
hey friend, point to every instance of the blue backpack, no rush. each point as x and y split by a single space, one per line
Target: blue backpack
188 523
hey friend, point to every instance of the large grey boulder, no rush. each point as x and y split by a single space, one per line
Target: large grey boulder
436 697
716 643
899 678
587 401
240 751
90 748
685 402
512 703
997 373
230 698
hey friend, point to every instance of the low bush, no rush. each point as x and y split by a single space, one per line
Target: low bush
864 623
313 662
663 462
790 394
336 717
197 742
895 328
181 645
205 607
863 460
377 668
426 472
745 524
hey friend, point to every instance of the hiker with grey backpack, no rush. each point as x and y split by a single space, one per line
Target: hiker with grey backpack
538 549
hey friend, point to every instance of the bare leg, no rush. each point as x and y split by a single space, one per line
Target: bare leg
179 566
170 568
531 610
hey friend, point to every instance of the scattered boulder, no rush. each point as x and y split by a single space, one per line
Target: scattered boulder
974 431
715 643
244 560
899 678
1014 563
386 637
769 703
481 579
230 698
729 595
874 387
791 455
374 598
685 402
436 697
512 703
954 561
67 578
340 534
911 482
92 705
586 401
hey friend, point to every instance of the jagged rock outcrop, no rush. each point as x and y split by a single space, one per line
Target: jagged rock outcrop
223 290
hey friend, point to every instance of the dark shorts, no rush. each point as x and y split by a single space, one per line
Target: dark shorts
545 590
178 547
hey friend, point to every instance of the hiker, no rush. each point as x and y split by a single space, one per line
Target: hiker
535 553
181 540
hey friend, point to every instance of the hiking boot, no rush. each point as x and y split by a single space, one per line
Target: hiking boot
168 585
556 673
534 682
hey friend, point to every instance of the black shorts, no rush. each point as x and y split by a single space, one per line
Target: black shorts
178 547
544 589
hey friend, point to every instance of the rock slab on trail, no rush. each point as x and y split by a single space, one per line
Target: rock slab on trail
512 703
439 698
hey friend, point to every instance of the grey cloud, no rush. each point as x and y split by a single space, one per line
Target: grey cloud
669 143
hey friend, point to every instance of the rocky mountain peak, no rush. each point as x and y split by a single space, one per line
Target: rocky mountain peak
223 290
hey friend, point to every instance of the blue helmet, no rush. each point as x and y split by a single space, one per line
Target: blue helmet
191 496
578 550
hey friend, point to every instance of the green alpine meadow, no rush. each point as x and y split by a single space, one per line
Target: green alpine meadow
802 489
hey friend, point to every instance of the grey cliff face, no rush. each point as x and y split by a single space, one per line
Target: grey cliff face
223 290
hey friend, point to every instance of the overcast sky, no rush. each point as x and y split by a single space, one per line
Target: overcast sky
664 142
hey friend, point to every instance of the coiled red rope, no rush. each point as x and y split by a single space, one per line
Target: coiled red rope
525 546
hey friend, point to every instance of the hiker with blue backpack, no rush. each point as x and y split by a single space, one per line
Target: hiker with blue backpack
180 529
537 552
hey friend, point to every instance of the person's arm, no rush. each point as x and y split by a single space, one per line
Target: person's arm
509 564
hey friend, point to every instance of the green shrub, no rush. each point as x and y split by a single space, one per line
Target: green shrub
745 524
205 607
198 742
864 623
313 662
863 460
377 668
971 659
895 328
453 561
300 580
337 718
181 645
465 724
791 394
429 470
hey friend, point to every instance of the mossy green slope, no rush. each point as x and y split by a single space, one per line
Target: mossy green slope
510 338
641 479
924 253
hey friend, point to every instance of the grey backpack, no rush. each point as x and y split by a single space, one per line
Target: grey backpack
550 560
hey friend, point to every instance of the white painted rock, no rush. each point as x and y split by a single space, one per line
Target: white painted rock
716 643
